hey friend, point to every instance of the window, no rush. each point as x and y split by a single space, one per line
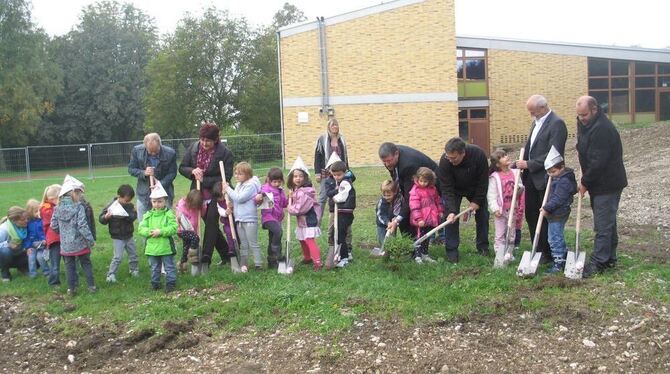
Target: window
663 69
645 101
476 69
645 82
603 99
599 68
619 68
620 102
645 68
599 83
471 64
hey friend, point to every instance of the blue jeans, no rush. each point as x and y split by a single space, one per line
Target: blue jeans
556 238
35 257
54 262
155 263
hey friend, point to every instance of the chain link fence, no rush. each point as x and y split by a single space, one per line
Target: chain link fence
106 160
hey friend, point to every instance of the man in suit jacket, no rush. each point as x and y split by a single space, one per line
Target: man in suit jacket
547 130
402 163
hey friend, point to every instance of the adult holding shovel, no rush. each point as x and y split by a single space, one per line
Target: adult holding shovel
201 163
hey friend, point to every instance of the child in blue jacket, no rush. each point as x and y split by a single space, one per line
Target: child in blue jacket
35 243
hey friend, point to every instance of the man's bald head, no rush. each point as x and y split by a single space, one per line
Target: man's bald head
587 108
537 106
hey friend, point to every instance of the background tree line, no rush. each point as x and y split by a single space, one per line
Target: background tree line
113 78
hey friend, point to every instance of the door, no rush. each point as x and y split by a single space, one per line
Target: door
664 106
473 127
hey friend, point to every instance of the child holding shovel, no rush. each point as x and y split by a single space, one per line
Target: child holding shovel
389 211
272 217
341 196
426 209
305 206
557 207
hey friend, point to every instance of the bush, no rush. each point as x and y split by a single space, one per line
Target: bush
398 248
255 148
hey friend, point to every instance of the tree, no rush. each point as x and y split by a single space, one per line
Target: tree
259 98
197 75
104 61
29 81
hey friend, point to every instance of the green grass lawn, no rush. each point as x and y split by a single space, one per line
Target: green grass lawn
323 301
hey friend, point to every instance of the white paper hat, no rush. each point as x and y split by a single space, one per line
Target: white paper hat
158 191
333 159
70 183
553 158
299 165
116 209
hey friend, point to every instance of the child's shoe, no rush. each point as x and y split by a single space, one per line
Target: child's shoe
556 268
418 260
351 256
135 273
428 259
71 292
343 262
92 289
244 268
111 278
169 287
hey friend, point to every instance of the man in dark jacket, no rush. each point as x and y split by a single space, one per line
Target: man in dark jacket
464 172
547 130
152 159
402 163
603 176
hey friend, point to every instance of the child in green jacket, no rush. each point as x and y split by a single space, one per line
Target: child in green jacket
158 226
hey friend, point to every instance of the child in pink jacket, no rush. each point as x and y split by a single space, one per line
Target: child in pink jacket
304 204
426 209
271 218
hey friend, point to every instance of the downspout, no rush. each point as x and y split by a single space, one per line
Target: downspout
281 103
326 109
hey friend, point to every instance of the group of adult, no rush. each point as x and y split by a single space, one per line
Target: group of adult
463 173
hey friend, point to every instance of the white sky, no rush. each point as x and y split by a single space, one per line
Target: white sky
641 22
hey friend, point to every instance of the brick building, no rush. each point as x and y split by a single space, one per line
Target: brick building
387 73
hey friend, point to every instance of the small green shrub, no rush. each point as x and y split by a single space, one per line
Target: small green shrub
398 248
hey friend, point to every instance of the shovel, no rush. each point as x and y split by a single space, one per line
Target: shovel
196 269
379 252
440 226
504 257
333 256
234 261
286 265
530 260
574 263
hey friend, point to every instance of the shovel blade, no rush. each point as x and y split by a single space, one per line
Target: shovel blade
330 257
281 268
235 265
529 263
574 265
195 270
377 252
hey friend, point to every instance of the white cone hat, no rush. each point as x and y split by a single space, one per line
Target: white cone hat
158 191
299 164
553 158
70 183
116 209
333 159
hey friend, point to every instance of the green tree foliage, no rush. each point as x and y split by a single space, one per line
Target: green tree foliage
259 98
197 74
29 81
104 60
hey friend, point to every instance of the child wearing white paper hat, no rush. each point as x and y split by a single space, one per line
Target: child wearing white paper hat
557 208
120 215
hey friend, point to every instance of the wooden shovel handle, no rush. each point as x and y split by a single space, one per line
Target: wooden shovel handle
517 176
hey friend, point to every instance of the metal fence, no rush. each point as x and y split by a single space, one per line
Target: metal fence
102 160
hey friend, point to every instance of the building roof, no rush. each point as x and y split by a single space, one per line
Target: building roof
589 50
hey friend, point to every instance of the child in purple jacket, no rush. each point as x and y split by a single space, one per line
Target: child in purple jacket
271 218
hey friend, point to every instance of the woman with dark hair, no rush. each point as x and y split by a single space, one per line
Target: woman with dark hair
201 163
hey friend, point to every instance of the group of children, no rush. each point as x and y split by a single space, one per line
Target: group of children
425 210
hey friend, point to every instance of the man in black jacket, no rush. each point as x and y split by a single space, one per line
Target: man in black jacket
603 176
464 173
547 130
402 163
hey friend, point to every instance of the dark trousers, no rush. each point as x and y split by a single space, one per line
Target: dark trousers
71 270
274 241
422 249
190 240
213 238
533 204
604 224
54 264
453 239
344 221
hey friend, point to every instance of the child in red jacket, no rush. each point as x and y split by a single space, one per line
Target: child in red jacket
52 255
426 209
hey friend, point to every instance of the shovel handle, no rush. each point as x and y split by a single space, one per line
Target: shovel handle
577 223
538 226
441 225
517 176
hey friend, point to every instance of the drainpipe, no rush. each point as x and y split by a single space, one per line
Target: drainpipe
325 99
281 103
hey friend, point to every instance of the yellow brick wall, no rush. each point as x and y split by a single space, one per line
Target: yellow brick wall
365 127
514 76
406 50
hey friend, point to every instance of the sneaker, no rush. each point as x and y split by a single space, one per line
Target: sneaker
93 289
6 280
170 288
343 262
418 260
135 274
244 269
351 256
71 292
591 269
452 256
556 268
428 259
111 278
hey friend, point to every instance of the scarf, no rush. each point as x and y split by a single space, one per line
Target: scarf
17 234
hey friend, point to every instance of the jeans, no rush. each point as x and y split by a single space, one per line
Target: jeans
248 235
121 246
71 270
10 259
156 263
54 262
556 230
381 235
605 208
35 257
453 239
422 249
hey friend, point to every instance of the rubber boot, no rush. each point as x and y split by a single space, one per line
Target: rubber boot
204 268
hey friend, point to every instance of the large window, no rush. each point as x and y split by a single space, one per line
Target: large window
471 73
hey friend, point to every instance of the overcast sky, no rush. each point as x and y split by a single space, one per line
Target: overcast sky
640 23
